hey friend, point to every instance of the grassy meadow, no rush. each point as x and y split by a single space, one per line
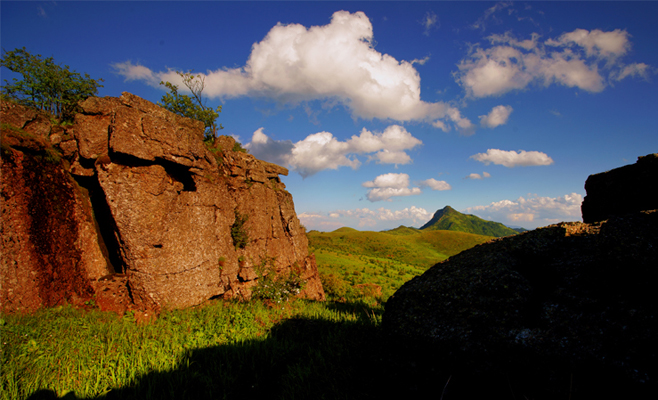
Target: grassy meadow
225 350
347 258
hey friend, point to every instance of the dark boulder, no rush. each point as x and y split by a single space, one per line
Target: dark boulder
623 190
566 309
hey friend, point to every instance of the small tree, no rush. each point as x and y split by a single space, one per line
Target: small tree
192 107
46 85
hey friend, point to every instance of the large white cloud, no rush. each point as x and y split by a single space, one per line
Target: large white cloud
390 185
322 150
532 211
512 158
334 62
574 59
496 117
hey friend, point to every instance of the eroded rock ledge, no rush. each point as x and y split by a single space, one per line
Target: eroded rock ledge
149 211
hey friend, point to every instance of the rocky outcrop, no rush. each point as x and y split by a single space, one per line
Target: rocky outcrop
167 208
568 302
628 189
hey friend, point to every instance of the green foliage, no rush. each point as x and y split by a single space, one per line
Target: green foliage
238 231
192 106
451 220
46 85
276 287
238 147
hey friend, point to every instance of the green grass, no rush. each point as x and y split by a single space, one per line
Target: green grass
220 350
296 349
347 257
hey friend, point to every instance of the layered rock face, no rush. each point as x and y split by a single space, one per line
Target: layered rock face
572 301
168 209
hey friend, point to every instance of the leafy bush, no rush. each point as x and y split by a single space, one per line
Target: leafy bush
278 288
238 147
192 107
335 287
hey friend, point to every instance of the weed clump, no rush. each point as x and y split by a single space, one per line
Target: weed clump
238 232
277 288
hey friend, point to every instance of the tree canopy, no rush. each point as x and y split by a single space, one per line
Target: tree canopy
46 85
192 106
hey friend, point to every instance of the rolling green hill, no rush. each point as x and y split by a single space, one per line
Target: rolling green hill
347 258
448 219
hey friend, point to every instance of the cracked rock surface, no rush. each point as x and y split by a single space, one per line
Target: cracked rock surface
164 205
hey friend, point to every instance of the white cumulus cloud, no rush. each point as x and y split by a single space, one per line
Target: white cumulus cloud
322 150
496 117
335 62
390 185
435 184
574 59
512 158
532 211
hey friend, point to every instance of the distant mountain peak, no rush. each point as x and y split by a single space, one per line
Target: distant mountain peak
449 219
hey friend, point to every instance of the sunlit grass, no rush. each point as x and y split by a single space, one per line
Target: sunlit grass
91 353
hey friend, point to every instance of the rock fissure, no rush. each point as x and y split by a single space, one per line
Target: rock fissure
159 214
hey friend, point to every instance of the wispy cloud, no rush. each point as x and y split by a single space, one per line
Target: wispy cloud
478 176
512 158
429 20
532 210
574 59
365 217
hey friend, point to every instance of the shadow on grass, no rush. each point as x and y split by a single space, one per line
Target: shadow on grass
301 358
313 358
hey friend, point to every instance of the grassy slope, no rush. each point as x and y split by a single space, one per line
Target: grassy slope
387 259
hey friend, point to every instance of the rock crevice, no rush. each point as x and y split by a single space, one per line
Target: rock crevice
160 206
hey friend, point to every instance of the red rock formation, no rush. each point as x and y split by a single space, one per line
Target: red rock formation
49 249
165 206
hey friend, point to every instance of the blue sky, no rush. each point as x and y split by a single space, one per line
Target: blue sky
385 112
